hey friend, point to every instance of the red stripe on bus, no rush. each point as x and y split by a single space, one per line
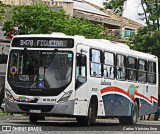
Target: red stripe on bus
116 89
151 97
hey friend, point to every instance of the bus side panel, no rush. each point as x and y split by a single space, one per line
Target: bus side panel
108 96
123 99
81 100
126 95
149 101
81 108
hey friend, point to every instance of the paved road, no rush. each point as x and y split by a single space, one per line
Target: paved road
69 125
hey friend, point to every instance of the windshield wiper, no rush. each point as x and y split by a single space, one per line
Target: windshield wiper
50 59
48 62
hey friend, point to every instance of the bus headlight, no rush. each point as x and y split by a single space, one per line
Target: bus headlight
65 97
9 96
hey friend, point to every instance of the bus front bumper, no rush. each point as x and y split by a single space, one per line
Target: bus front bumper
65 108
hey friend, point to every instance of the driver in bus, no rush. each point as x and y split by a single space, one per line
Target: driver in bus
29 68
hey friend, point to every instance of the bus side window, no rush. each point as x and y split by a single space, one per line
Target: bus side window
132 68
142 71
109 59
121 67
152 72
81 70
96 63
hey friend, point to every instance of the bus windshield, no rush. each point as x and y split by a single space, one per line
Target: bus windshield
40 69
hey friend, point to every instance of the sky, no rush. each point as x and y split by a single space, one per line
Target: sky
132 8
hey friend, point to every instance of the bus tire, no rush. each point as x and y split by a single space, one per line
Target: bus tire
92 113
90 119
33 119
133 119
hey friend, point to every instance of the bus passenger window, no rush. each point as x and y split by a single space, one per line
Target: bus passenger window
109 65
121 67
151 72
121 73
142 70
81 70
108 72
132 68
96 63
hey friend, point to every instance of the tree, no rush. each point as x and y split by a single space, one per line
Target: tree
2 10
148 38
116 6
39 19
79 26
147 41
151 11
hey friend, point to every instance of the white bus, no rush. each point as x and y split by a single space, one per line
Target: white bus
60 75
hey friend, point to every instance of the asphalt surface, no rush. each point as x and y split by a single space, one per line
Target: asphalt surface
20 124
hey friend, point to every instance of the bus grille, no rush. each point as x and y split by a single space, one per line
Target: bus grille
43 108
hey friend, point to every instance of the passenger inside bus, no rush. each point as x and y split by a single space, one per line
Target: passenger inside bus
109 72
29 68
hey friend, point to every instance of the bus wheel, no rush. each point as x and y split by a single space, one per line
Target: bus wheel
92 113
133 119
33 119
130 120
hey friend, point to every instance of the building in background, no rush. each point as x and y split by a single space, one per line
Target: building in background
67 5
116 25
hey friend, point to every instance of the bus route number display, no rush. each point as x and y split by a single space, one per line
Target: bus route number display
42 43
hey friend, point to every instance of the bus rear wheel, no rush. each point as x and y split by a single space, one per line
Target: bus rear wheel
133 119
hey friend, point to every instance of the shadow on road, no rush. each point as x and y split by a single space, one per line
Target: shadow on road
58 124
72 126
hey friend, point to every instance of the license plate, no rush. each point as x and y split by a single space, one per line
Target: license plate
35 111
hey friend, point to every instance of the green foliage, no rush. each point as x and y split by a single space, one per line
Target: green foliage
39 19
148 38
2 10
79 26
116 5
151 11
147 41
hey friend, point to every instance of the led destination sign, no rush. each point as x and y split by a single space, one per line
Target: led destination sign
43 42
